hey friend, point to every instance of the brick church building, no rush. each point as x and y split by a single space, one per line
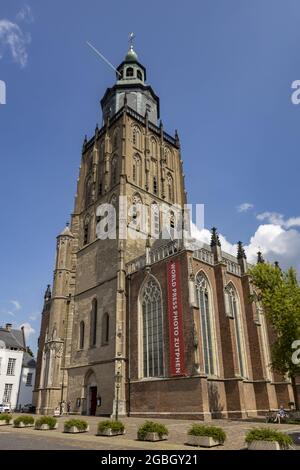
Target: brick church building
149 325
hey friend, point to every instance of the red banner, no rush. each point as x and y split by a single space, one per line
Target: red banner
177 366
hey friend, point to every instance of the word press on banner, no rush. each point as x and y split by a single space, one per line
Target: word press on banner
177 366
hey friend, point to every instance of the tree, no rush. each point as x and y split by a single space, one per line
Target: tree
279 294
28 350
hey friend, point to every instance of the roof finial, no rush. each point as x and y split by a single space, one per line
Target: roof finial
241 251
215 240
131 38
260 258
47 295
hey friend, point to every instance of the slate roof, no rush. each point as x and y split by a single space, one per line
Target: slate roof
12 339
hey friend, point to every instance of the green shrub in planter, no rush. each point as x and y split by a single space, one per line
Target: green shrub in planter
49 420
116 426
208 431
25 419
77 423
5 417
268 434
151 426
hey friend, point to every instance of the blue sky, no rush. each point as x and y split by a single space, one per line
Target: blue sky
223 70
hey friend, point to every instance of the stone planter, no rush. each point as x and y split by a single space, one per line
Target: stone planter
263 445
5 423
75 430
153 437
202 441
22 425
110 432
45 427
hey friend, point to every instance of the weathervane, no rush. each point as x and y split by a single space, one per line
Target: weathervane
131 38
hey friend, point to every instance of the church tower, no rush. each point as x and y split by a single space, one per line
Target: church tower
129 163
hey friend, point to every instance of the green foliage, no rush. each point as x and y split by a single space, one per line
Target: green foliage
46 420
80 424
267 434
279 294
151 426
29 351
113 425
25 419
5 417
209 431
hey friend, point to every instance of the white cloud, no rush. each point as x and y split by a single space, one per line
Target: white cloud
278 219
25 14
276 244
16 304
32 317
13 38
244 207
28 330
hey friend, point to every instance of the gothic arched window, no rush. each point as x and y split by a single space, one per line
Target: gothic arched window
94 313
203 293
153 146
105 329
155 225
154 184
86 231
170 188
234 311
88 191
113 170
137 170
136 137
129 72
116 138
81 335
152 330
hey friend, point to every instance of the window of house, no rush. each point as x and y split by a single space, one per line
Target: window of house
152 330
129 72
29 379
7 393
81 335
11 366
139 75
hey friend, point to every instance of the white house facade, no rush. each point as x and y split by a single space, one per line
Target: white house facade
17 368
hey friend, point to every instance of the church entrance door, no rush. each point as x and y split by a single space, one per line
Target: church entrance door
93 401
